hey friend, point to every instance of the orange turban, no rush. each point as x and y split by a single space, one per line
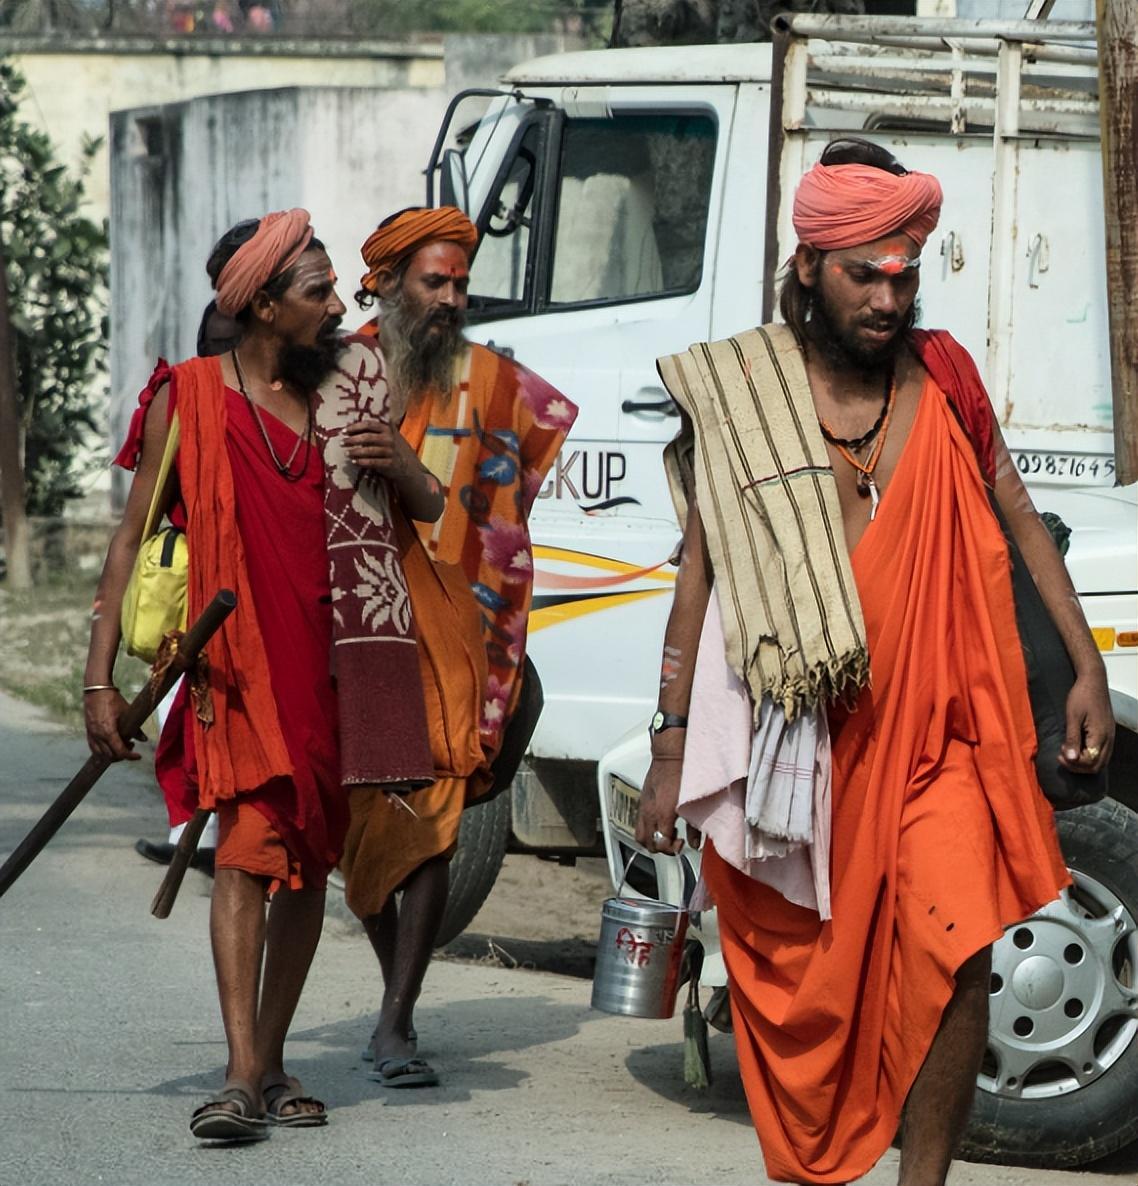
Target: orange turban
404 233
279 241
840 206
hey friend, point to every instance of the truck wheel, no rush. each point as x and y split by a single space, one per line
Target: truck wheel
1060 1075
474 869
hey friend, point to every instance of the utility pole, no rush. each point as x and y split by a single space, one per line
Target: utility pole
1118 107
12 504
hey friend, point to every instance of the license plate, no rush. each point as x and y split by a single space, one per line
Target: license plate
624 804
1088 469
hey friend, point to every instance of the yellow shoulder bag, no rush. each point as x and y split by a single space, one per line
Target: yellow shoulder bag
155 598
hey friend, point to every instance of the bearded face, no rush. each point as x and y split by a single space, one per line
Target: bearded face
846 344
863 302
422 346
422 317
305 367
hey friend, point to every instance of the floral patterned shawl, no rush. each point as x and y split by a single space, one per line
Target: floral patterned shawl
490 443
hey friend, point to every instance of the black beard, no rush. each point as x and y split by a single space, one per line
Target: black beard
420 349
304 368
843 351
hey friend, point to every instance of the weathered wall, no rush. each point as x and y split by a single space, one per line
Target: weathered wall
71 95
182 173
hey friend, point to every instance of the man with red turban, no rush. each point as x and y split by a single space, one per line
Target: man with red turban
488 430
257 739
846 720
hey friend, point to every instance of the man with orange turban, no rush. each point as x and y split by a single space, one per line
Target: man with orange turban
846 721
257 741
488 430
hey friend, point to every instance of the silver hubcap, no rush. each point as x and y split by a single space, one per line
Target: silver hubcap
1064 995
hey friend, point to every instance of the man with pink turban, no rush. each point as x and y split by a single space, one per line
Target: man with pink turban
846 721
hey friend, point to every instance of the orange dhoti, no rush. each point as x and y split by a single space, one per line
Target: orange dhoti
390 836
941 836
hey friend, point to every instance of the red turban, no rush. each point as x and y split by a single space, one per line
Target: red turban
409 230
279 241
840 206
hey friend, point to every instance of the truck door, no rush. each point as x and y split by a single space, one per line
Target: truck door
596 257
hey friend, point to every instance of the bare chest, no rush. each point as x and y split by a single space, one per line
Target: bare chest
863 474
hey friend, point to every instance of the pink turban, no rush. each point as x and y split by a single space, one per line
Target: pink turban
409 230
279 241
840 206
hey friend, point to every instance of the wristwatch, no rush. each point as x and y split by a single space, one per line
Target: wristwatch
666 720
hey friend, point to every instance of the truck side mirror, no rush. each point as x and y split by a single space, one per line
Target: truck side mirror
510 214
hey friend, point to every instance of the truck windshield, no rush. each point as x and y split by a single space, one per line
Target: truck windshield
632 210
627 207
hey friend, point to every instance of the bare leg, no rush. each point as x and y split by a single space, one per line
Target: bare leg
941 1098
420 913
382 929
237 935
296 918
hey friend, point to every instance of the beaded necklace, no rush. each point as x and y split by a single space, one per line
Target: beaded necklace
866 486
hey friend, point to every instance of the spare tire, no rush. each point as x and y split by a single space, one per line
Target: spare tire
482 841
1060 1076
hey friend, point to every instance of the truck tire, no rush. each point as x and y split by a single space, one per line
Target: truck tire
481 846
1060 1075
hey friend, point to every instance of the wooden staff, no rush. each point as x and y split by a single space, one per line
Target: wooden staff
189 647
183 853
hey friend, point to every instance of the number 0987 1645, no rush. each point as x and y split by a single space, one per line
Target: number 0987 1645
1088 469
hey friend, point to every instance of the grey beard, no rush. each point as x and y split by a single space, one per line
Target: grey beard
418 360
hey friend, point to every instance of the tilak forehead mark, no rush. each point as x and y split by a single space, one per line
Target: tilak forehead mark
887 265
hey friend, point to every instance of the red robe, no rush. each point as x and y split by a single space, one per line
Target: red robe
281 529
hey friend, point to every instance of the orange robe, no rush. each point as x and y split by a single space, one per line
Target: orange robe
941 836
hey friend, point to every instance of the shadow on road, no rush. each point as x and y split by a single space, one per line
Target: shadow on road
460 1039
564 957
661 1070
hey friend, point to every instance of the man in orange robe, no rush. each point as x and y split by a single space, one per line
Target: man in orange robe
488 430
940 834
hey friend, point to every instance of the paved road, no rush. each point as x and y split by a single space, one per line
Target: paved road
109 1037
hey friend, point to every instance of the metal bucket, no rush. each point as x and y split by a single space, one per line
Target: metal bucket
639 955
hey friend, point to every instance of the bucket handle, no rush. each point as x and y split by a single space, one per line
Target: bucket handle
628 866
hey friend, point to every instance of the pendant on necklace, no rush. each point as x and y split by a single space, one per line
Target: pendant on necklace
866 485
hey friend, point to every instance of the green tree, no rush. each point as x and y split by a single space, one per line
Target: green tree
57 287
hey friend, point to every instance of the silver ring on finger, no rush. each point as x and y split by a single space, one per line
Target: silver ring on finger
659 838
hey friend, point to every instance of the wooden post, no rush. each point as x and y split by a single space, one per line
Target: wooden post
1118 106
12 504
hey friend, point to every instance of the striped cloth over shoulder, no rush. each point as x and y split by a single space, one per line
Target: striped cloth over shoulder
751 444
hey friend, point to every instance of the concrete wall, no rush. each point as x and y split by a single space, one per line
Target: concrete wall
71 95
182 173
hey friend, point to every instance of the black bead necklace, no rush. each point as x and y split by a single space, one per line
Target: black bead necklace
860 442
283 468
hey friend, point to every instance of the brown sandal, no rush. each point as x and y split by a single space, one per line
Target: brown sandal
281 1095
232 1116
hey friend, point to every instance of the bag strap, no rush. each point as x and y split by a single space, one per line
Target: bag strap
172 437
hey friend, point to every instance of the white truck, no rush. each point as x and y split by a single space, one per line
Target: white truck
635 201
